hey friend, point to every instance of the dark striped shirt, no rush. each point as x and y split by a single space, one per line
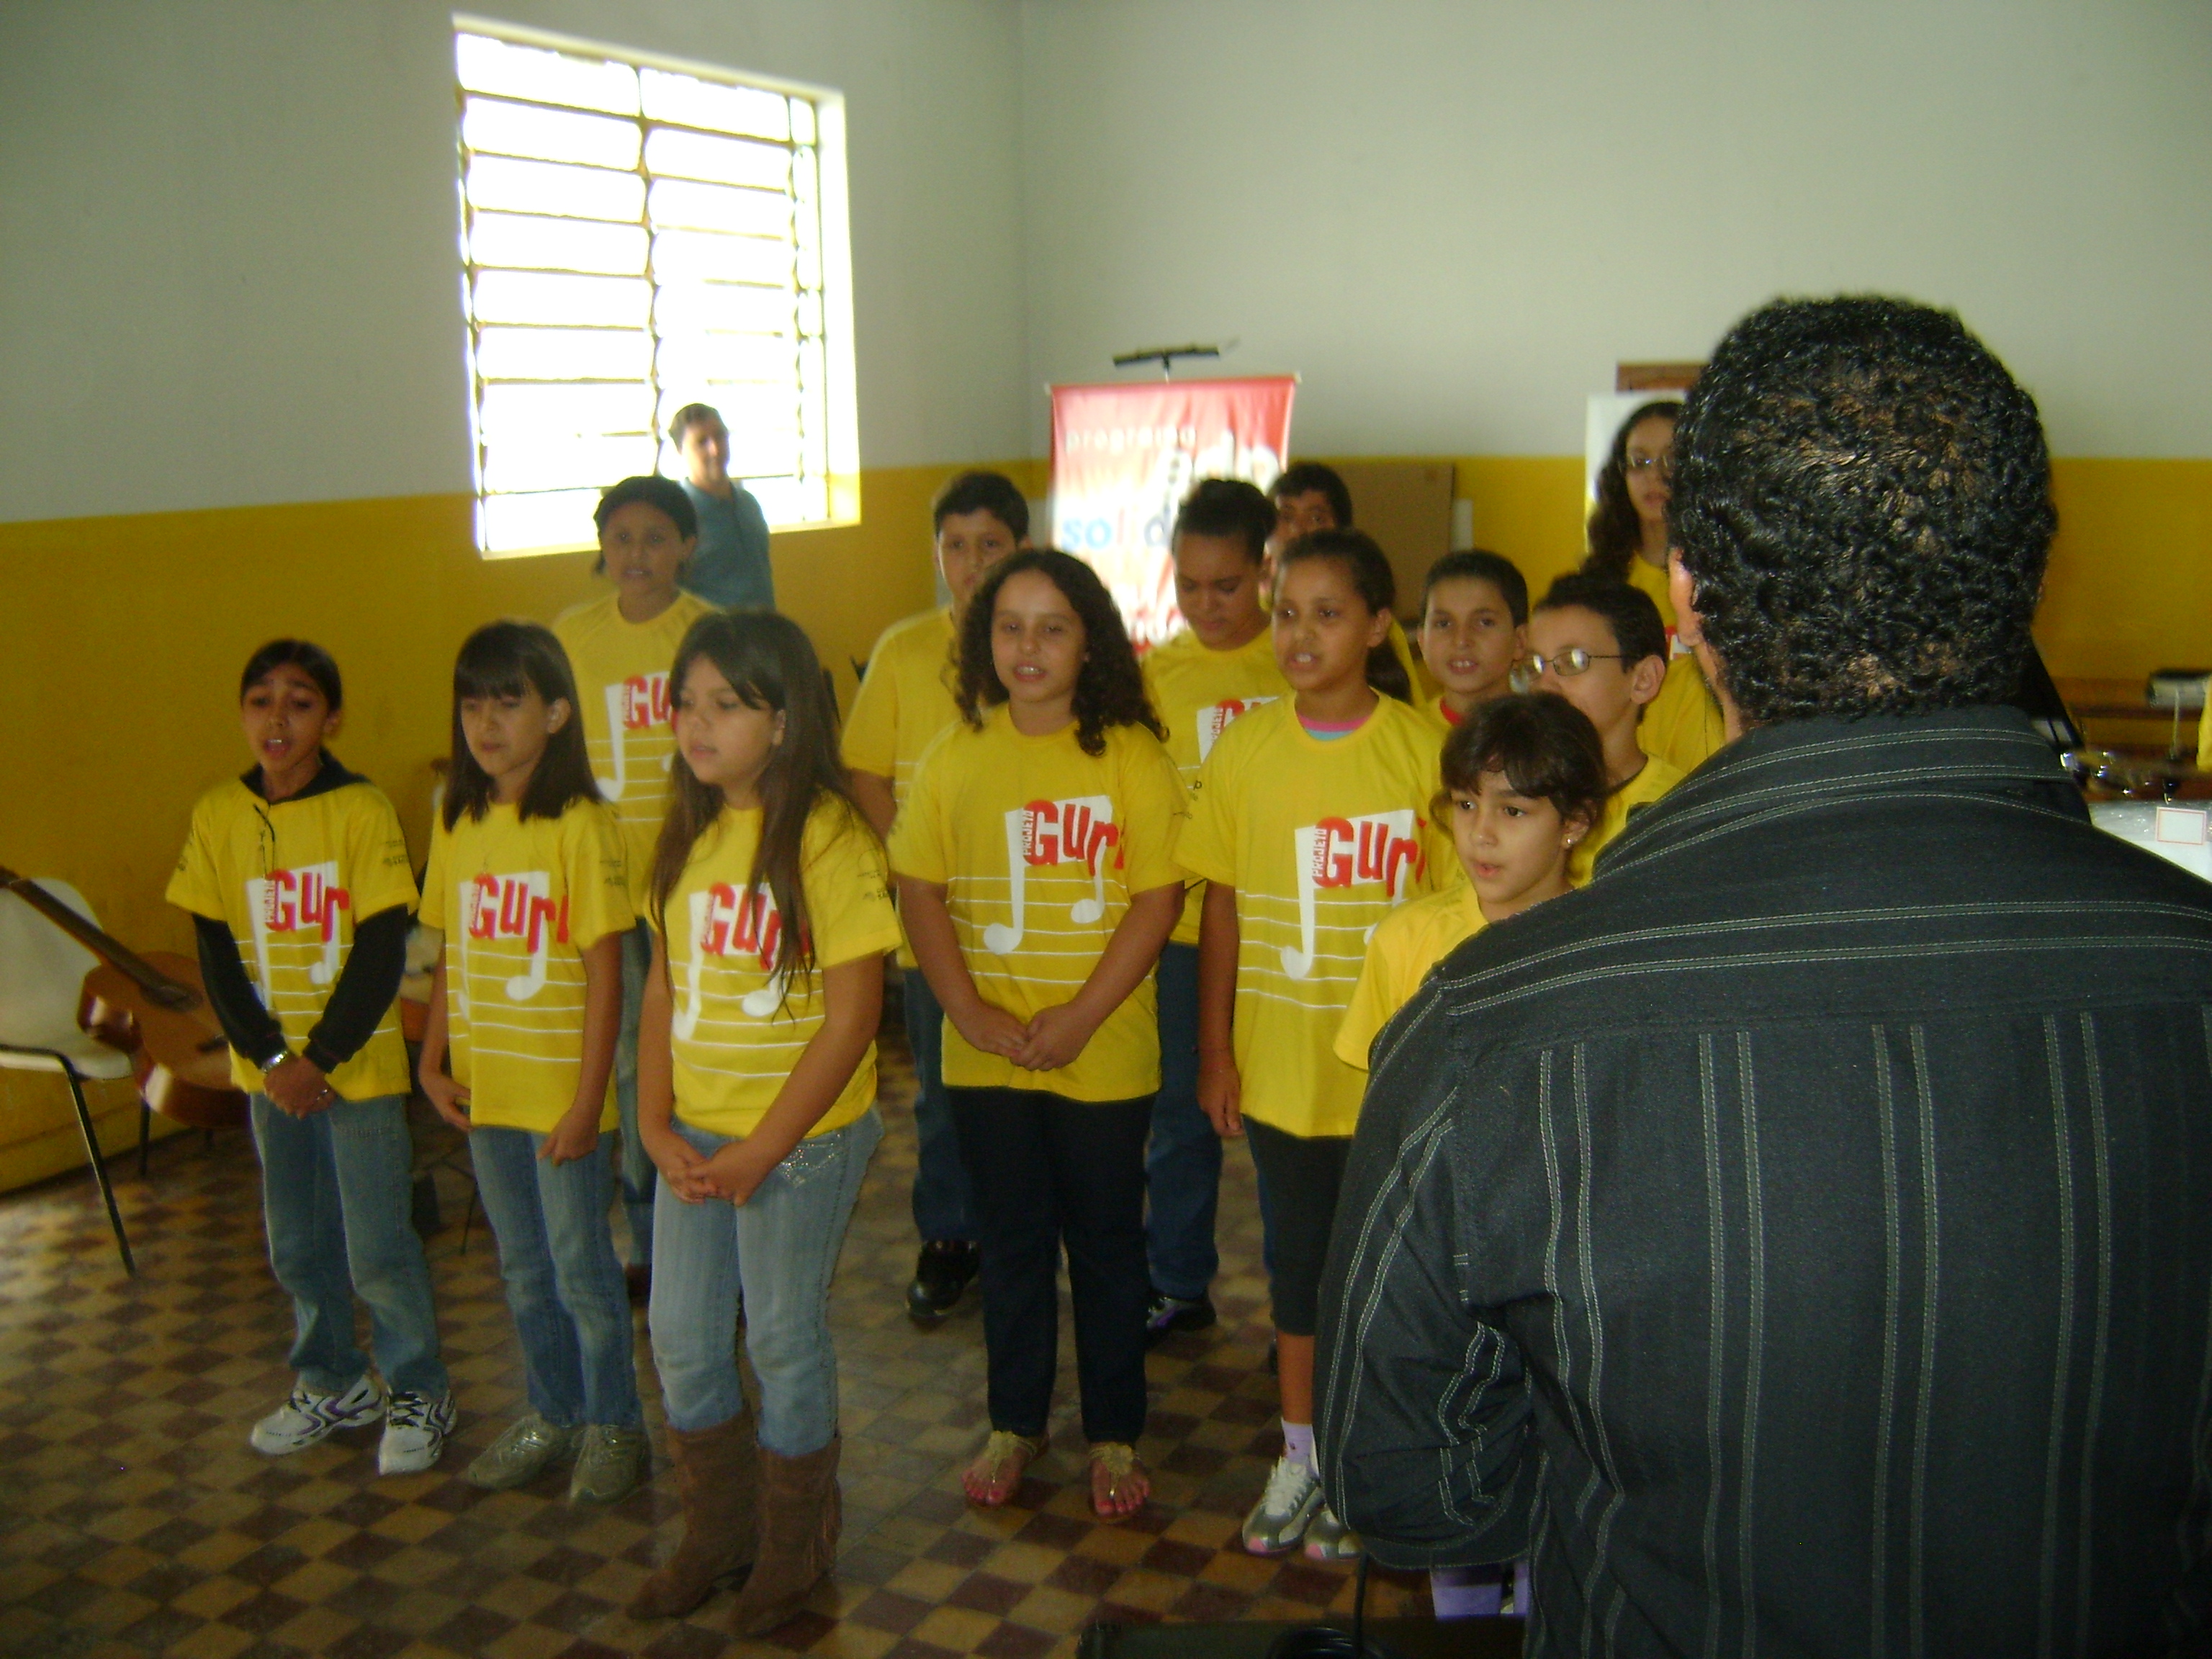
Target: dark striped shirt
1800 1239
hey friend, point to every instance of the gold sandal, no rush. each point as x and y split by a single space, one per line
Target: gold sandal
1128 1486
991 1479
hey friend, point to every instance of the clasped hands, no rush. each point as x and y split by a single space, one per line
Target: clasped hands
732 1174
297 1086
1051 1038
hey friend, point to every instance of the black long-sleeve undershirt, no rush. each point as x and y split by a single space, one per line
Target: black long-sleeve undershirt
366 986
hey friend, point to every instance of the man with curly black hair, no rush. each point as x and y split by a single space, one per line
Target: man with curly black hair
1801 1238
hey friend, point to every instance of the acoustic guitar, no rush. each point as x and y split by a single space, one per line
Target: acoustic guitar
153 1008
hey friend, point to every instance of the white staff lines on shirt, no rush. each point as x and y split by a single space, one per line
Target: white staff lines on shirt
1044 834
520 907
725 927
640 703
302 899
1346 852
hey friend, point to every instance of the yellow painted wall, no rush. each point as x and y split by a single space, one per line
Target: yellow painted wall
121 639
2128 589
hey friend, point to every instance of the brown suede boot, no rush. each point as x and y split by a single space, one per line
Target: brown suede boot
800 1515
718 1478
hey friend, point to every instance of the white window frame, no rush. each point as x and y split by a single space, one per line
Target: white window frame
835 451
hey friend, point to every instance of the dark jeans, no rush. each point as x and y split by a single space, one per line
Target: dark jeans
1047 1171
1299 1179
1183 1166
943 1211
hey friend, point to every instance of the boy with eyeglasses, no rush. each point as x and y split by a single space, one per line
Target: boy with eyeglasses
1602 647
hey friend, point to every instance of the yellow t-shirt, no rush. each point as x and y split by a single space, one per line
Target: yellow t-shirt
1683 726
1321 839
1039 848
906 698
2204 737
621 681
518 899
1657 778
1651 578
1408 942
1197 693
1441 717
736 1034
290 881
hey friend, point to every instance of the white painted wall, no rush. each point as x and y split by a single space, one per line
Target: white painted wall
1452 217
227 226
228 266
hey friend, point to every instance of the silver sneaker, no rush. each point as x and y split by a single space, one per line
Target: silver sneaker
415 1431
1329 1538
609 1463
1285 1510
308 1417
519 1456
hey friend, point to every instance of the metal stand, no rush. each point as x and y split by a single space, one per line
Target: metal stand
91 1148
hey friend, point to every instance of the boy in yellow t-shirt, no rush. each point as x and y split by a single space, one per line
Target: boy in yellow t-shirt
1037 883
299 889
620 647
529 884
1523 781
1474 606
1308 495
1220 666
906 698
1600 645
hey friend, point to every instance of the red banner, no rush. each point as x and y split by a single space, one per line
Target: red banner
1123 457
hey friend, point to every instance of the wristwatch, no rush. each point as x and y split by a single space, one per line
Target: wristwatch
276 1056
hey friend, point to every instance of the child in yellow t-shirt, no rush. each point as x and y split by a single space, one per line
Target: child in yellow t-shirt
1523 781
302 862
528 883
1038 885
771 913
1473 606
620 647
1220 666
1309 824
906 698
1601 645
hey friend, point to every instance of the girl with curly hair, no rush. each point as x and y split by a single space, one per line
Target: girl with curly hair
1036 874
1628 525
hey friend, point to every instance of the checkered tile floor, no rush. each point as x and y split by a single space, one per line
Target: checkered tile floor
135 1520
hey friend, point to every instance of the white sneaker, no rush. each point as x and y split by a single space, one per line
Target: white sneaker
415 1431
308 1417
1279 1519
1329 1538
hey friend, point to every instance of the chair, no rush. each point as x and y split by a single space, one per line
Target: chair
42 971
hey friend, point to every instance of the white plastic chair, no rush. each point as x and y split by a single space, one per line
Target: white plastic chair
42 973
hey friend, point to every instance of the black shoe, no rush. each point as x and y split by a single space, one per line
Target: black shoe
941 1273
1166 1315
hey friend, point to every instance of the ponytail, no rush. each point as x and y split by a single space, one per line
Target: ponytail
1355 552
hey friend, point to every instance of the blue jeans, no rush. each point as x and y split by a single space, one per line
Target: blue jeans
781 1248
638 1174
338 1199
944 1208
564 1285
1183 1163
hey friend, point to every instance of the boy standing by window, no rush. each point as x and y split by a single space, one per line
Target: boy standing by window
730 567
